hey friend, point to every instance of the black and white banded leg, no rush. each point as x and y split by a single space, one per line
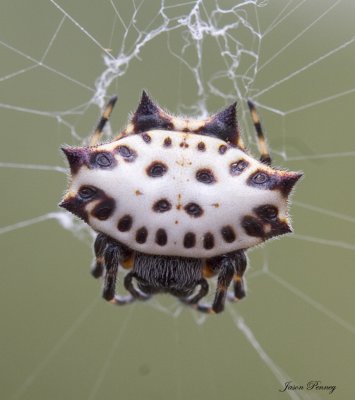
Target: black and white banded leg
226 266
109 255
262 145
240 266
95 138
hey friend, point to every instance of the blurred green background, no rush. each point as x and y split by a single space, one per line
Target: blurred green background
296 60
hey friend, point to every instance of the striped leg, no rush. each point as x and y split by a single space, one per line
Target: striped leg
225 276
238 282
136 293
113 256
104 118
262 146
97 268
109 255
100 245
199 295
112 259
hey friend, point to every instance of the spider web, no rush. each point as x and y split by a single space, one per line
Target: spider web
61 60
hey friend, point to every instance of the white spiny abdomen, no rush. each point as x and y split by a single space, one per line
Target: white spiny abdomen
213 220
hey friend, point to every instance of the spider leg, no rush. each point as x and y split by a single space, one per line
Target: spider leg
238 282
100 244
226 272
112 254
262 146
199 295
104 118
137 294
97 268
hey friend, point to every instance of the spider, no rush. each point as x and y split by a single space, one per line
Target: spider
176 201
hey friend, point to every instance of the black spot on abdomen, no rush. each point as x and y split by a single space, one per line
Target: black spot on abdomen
126 153
253 226
162 205
125 223
161 237
237 167
104 209
141 235
189 240
267 212
102 160
156 169
222 149
146 137
205 175
167 142
208 241
201 146
193 209
228 234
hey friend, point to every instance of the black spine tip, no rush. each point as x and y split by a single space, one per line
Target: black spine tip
146 106
62 204
76 156
149 116
69 204
288 181
224 125
228 116
144 94
70 153
65 149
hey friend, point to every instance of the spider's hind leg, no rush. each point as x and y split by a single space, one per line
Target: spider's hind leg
225 265
262 145
95 138
239 290
199 295
231 267
97 268
138 294
113 255
109 255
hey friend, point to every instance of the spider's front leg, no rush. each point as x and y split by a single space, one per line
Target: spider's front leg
225 265
97 268
112 256
238 282
109 254
230 267
262 145
136 293
199 295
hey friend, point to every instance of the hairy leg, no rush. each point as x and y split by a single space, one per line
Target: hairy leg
238 282
263 149
103 120
226 266
109 254
97 268
136 293
199 295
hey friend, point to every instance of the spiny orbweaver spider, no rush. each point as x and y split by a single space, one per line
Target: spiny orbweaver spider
176 201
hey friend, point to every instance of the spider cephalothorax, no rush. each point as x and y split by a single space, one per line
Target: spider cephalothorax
177 201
